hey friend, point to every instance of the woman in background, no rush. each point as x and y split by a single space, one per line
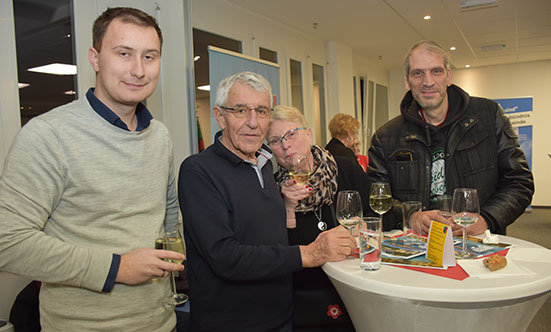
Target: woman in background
344 131
317 306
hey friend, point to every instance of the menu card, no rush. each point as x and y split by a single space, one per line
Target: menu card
440 244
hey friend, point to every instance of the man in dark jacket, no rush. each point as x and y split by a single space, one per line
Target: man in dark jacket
445 139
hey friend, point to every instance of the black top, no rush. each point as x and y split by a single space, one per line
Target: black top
337 148
307 281
238 255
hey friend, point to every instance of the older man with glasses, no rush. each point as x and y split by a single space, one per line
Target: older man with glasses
240 262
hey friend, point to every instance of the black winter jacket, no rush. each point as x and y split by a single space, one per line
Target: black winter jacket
481 149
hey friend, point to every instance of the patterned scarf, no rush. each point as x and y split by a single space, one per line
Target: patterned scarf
323 180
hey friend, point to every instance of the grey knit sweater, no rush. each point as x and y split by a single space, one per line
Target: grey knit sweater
76 189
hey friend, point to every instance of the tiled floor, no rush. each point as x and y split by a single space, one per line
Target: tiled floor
535 226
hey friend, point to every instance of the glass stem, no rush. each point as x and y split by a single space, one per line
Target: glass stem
464 241
173 284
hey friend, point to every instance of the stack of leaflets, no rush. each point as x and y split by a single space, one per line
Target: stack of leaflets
410 250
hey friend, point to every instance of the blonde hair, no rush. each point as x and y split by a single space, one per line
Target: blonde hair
343 124
288 113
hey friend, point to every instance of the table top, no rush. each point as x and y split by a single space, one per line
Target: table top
413 285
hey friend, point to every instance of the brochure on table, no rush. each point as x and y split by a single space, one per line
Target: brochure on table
440 245
410 250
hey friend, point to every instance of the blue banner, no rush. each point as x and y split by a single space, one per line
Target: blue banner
515 105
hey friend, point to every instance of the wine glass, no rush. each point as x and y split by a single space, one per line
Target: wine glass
300 171
172 240
465 212
444 206
380 198
349 210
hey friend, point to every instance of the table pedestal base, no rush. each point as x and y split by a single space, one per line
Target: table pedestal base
374 312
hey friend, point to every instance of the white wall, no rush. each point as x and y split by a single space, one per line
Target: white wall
370 69
340 76
396 90
507 81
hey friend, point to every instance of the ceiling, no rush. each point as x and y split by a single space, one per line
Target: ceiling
383 30
378 30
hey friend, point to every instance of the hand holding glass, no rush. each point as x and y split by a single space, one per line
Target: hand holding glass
349 210
172 240
300 171
465 212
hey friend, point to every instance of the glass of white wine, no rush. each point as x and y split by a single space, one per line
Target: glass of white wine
465 212
300 171
172 240
380 198
349 210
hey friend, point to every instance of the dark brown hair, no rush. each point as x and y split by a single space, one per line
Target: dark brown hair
126 15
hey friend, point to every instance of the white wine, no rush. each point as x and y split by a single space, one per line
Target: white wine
445 214
300 177
380 203
348 223
465 220
172 244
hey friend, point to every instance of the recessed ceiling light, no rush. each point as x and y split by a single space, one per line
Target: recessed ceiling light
467 66
70 92
452 48
204 87
55 69
22 85
427 17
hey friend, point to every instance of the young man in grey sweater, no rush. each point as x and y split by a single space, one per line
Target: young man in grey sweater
87 187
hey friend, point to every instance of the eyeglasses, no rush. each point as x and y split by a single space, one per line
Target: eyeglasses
289 136
245 111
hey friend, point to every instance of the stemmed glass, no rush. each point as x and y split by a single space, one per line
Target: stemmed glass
465 212
172 240
444 206
380 198
300 171
349 210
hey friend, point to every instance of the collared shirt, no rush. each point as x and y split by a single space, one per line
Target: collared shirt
143 116
263 155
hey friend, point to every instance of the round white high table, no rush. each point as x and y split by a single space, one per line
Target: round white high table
395 299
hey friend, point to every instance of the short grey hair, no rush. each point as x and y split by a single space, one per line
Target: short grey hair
254 80
430 46
288 113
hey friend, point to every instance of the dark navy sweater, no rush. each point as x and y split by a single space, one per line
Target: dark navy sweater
239 259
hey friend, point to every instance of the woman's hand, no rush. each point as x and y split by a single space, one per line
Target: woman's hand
293 192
